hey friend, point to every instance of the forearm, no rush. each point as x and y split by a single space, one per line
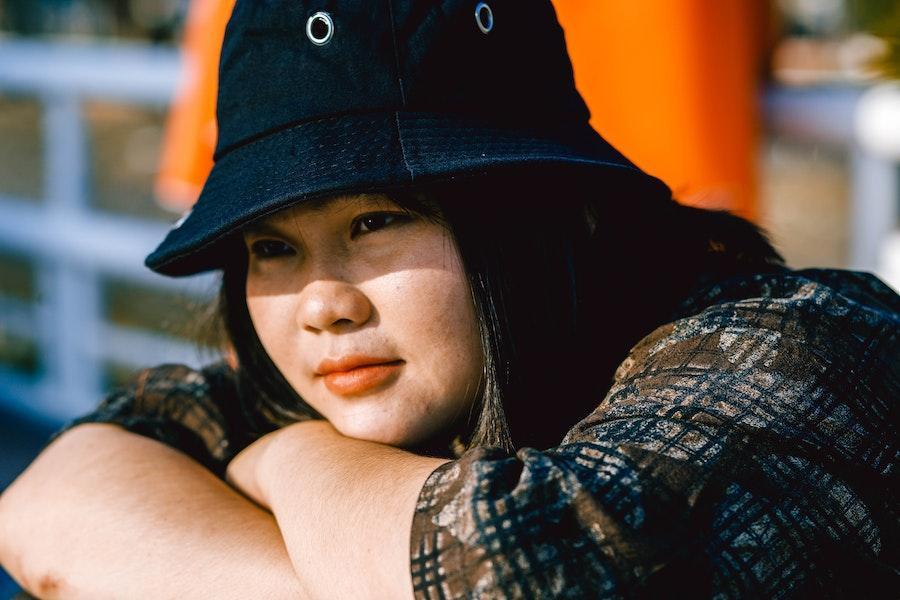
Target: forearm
345 509
103 512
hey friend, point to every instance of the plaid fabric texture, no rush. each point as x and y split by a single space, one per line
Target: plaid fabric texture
178 406
746 449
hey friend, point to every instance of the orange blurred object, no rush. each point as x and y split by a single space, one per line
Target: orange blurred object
190 136
674 84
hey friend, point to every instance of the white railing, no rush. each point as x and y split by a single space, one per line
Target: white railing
71 245
832 116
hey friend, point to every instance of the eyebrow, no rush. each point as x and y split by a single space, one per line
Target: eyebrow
262 228
319 205
312 205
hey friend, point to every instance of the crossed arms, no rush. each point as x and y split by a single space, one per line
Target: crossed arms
747 449
104 512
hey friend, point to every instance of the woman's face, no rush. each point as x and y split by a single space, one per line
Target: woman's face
366 311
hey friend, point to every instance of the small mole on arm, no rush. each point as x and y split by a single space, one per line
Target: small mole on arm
49 586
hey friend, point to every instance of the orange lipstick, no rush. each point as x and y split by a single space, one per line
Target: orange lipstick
357 375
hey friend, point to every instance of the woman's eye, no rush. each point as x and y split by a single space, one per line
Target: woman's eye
375 221
270 249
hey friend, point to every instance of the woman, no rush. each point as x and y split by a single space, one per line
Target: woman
433 272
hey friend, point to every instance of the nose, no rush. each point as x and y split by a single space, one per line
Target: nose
332 305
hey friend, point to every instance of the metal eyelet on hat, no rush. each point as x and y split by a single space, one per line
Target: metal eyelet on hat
484 17
320 28
184 217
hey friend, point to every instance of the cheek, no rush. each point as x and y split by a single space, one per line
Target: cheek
435 321
271 316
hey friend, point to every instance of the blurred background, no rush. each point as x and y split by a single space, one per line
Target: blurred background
787 112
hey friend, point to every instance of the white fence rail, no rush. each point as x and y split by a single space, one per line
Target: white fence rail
71 245
832 116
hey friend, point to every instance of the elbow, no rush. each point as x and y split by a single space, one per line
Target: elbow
48 586
15 557
12 553
18 557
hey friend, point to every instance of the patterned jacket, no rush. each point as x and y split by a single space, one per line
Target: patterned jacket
748 448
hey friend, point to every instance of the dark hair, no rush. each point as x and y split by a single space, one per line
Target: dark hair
565 278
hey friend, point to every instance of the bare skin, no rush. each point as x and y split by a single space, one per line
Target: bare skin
343 506
357 276
104 513
360 277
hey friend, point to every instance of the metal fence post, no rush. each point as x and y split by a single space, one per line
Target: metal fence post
874 208
72 245
70 294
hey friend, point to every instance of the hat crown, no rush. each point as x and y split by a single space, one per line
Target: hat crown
426 56
380 95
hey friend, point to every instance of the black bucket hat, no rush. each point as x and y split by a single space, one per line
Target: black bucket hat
324 97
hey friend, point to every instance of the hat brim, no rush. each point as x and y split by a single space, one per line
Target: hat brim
360 153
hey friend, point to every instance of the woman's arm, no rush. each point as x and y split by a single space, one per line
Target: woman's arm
344 506
106 513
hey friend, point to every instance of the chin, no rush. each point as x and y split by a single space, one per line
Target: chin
391 434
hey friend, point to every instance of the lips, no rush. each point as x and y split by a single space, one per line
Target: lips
357 375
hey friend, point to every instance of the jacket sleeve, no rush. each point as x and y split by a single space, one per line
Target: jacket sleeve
742 451
176 405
